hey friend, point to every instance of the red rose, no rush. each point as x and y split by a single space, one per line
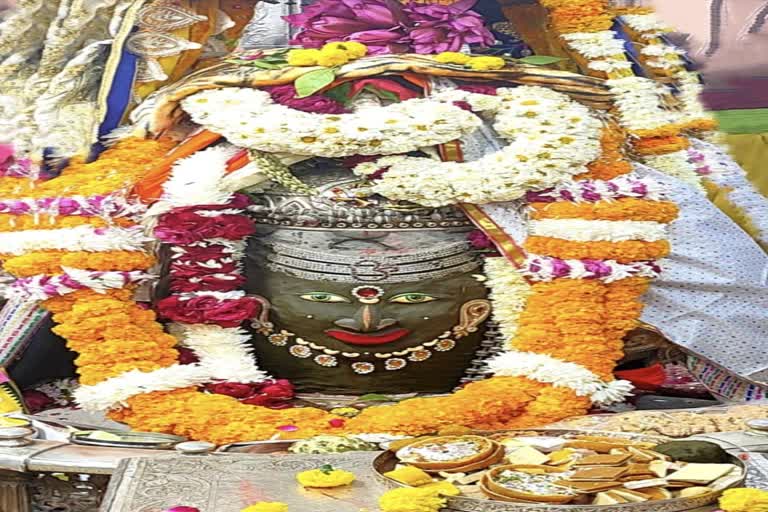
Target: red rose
188 270
181 228
232 389
37 401
231 313
187 356
203 253
231 227
207 284
207 309
281 388
265 401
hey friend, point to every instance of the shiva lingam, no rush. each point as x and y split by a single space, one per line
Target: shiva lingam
364 296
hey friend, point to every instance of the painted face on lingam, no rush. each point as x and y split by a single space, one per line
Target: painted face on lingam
393 310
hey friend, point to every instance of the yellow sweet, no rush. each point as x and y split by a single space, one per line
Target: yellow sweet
410 475
486 63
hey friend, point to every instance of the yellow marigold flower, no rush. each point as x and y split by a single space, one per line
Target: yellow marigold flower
332 57
744 500
325 477
354 49
266 506
303 57
411 500
410 475
486 63
453 58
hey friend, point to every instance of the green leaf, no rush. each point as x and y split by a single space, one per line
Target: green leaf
327 469
340 93
262 64
310 83
373 397
540 60
382 94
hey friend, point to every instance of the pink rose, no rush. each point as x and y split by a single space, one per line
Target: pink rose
37 401
229 226
232 389
203 253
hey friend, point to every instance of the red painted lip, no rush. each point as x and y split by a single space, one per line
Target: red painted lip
367 339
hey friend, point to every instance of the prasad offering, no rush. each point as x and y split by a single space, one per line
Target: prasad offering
566 469
452 453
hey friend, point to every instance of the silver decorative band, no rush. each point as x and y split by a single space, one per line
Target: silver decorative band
284 250
423 265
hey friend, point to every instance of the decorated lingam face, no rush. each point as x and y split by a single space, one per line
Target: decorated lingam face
356 312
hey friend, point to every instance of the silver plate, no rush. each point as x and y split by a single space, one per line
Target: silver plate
387 460
146 441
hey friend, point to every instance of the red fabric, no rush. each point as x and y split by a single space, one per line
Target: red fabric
645 378
404 93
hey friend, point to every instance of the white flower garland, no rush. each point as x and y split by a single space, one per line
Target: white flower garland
509 292
226 352
690 96
196 180
639 103
249 118
610 65
582 230
595 45
546 369
647 24
552 138
116 391
80 238
678 166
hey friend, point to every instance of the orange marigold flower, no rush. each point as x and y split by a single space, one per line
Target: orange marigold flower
622 209
623 252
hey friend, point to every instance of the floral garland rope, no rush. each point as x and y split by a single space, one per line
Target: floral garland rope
586 29
120 356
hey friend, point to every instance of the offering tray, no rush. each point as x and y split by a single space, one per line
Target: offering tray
143 440
387 462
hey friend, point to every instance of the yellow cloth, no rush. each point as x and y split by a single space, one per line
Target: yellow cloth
751 152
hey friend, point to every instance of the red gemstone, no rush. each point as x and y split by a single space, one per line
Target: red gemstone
368 293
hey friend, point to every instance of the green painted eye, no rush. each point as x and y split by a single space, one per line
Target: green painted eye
324 297
412 298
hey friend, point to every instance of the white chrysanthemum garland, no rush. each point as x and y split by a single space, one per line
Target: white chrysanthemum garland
508 293
80 238
263 125
43 287
582 230
551 138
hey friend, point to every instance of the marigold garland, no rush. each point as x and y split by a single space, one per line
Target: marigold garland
612 162
660 145
9 222
628 208
118 167
51 262
623 252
